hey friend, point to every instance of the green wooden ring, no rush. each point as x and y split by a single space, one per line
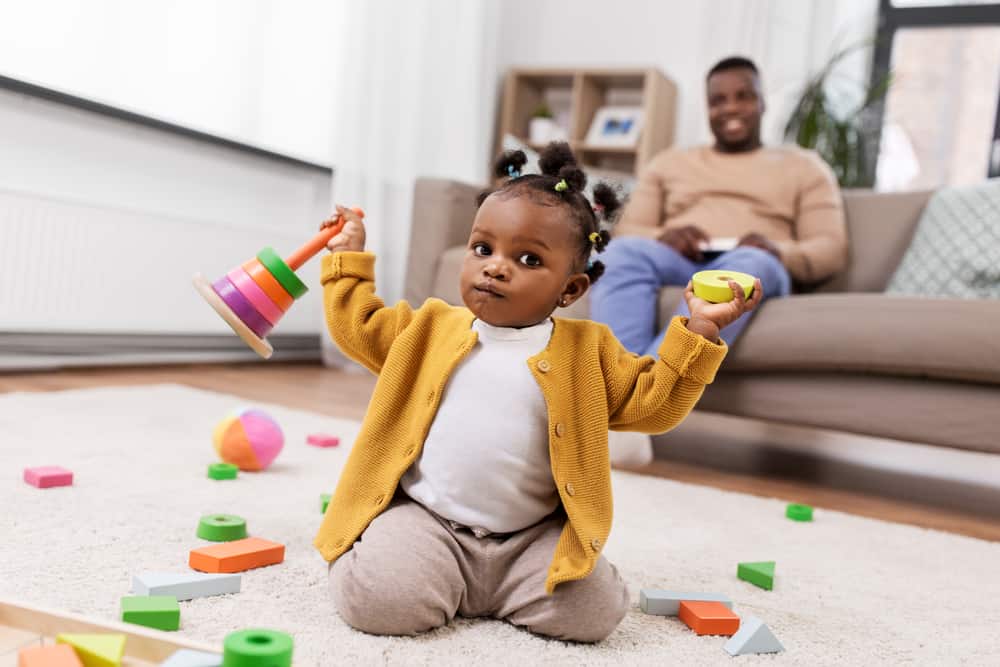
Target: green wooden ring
282 272
797 512
257 648
223 471
222 527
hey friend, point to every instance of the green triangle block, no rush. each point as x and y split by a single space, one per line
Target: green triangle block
96 650
324 500
153 611
759 574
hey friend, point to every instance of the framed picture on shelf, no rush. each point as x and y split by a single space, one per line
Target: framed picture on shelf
615 127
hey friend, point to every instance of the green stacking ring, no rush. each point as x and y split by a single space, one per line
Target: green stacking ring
282 272
222 471
222 527
797 512
257 648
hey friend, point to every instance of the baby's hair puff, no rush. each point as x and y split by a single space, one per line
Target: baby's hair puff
562 183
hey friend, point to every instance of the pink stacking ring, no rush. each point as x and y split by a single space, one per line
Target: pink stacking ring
241 307
255 295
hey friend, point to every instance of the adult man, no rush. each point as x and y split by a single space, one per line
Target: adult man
782 205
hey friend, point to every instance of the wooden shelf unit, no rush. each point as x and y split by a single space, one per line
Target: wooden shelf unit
575 95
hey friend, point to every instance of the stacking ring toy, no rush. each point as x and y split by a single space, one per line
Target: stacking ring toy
713 285
252 297
222 527
257 648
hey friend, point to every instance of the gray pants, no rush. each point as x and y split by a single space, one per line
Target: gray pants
410 572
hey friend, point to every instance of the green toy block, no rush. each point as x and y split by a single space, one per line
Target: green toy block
154 611
324 500
797 512
222 527
759 574
223 471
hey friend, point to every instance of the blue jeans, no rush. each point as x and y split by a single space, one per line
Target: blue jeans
626 298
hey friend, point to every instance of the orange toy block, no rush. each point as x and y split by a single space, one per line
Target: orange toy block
59 655
708 618
237 556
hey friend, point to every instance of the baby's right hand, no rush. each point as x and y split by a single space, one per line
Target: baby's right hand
352 237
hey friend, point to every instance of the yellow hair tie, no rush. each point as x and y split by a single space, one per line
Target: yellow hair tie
594 236
562 186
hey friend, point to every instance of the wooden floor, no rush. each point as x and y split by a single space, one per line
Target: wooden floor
313 387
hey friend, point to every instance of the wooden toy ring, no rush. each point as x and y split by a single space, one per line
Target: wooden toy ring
272 288
257 648
282 272
242 308
255 295
222 527
222 471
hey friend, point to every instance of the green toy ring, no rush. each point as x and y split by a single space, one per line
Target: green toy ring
713 285
282 272
222 527
223 471
797 512
257 648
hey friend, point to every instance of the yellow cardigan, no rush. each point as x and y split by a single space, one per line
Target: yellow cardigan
590 383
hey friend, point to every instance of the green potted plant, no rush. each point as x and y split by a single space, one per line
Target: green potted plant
842 132
542 127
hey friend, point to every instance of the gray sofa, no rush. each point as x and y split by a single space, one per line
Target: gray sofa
843 357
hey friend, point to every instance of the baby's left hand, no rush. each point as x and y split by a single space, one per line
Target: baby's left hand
708 319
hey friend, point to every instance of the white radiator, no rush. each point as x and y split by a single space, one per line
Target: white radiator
85 268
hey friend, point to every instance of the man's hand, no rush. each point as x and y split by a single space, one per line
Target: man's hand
351 237
707 319
686 240
755 240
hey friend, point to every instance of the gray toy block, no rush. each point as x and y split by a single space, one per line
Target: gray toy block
753 637
185 586
668 603
188 658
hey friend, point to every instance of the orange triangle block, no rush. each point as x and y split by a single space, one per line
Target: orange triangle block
96 650
708 618
60 655
237 556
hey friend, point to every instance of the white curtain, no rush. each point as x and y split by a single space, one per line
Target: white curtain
415 96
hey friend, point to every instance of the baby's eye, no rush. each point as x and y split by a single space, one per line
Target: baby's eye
481 249
530 260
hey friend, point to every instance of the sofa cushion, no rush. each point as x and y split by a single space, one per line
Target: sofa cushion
873 333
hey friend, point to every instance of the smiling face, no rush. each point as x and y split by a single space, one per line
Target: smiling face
521 260
735 106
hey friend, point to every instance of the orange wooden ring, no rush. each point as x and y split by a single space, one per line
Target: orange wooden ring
281 298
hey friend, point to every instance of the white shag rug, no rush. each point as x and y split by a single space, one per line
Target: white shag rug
849 590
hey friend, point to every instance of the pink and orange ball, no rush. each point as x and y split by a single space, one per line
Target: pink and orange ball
250 439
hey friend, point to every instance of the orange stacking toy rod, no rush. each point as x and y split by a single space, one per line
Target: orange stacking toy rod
254 296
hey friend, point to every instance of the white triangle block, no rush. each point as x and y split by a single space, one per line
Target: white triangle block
185 586
188 658
752 637
668 603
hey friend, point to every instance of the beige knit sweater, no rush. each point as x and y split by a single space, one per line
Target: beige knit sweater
787 194
589 381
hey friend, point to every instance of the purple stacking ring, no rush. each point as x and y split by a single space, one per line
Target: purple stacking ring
241 306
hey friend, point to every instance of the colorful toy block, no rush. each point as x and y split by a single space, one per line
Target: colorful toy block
322 440
324 501
59 655
667 603
153 611
187 586
223 471
188 658
45 477
759 574
252 647
96 650
237 556
753 637
798 512
708 618
222 527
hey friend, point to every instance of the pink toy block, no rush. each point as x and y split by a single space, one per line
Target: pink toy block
323 440
47 476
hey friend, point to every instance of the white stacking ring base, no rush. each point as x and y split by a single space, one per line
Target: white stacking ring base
256 343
